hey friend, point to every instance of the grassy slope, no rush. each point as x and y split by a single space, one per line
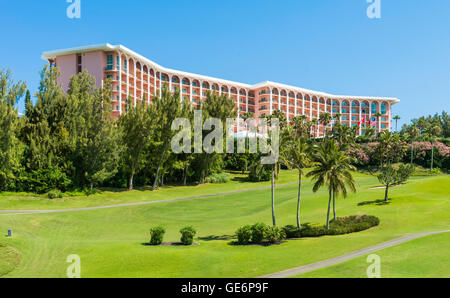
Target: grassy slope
109 241
9 259
13 201
425 257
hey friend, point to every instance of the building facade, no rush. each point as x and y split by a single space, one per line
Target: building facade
137 77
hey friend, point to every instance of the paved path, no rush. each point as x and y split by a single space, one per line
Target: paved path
24 212
349 256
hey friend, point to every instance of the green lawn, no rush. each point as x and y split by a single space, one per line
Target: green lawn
109 241
425 257
24 201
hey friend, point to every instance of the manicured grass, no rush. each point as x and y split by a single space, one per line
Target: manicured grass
426 257
9 259
24 201
109 241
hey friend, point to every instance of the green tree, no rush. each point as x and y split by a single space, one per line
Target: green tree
388 177
220 107
10 146
396 118
297 155
136 128
167 109
96 139
325 119
333 168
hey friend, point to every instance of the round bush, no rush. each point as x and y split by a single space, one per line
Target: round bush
187 235
218 178
244 235
274 234
54 194
258 231
157 235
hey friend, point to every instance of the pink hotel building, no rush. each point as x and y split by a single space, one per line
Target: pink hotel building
134 75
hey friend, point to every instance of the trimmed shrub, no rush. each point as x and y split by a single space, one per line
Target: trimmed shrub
157 235
54 194
218 178
244 234
258 232
312 231
187 235
274 234
352 224
340 226
292 231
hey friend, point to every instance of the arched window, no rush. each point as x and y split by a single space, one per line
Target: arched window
383 108
373 108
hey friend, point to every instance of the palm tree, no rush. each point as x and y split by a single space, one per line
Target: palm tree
245 117
337 117
325 119
314 125
413 132
378 116
334 170
297 155
396 118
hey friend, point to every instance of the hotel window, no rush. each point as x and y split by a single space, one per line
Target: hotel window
109 62
125 65
335 103
383 108
355 111
205 86
194 84
79 64
345 118
345 104
354 118
185 90
185 82
374 108
335 110
345 111
383 126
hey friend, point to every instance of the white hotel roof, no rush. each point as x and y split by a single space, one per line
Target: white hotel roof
109 47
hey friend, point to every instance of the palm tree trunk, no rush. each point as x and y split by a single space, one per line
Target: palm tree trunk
185 175
334 206
299 197
328 212
273 195
386 194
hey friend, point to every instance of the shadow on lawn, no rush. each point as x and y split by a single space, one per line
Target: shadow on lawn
376 203
214 238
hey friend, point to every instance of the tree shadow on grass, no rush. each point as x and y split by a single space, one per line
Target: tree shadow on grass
375 203
214 237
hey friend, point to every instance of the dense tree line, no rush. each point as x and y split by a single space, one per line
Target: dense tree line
66 141
70 140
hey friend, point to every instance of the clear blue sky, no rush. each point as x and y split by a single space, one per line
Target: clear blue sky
325 45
